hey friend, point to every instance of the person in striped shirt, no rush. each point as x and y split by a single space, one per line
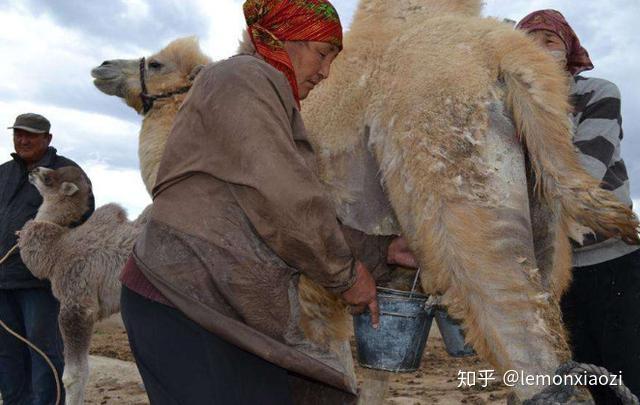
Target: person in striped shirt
601 309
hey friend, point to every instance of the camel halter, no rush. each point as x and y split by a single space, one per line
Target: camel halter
148 99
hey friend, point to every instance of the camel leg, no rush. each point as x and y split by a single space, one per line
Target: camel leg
342 348
478 251
375 382
552 247
374 386
76 325
484 261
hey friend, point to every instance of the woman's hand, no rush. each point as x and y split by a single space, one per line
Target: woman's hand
363 294
400 254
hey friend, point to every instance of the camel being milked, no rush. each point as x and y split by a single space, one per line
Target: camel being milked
465 122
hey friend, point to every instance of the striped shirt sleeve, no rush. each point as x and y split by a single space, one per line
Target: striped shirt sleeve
599 131
598 134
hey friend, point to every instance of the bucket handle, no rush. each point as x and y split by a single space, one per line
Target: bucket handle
415 281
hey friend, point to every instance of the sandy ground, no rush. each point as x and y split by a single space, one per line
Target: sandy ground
115 380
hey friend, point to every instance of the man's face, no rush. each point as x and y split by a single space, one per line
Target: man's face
311 62
30 146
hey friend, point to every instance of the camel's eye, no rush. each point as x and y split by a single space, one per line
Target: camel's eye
47 180
154 64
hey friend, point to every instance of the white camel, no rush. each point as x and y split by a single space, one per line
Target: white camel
432 95
449 104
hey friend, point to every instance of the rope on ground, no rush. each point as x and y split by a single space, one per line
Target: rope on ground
561 393
31 345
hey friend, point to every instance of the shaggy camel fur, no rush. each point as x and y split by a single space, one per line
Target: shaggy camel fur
424 84
423 95
82 263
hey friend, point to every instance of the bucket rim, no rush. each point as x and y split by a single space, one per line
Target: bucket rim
390 369
390 292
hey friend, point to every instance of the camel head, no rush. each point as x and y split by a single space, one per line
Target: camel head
168 71
65 193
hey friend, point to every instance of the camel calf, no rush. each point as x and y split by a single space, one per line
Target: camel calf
82 263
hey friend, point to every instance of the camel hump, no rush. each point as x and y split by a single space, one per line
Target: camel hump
429 8
111 212
471 8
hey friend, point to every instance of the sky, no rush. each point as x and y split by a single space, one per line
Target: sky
48 49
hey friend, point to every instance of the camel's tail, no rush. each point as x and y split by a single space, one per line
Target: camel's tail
537 97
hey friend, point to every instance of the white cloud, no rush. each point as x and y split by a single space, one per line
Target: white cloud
225 31
346 9
51 64
5 150
122 186
136 10
46 53
34 56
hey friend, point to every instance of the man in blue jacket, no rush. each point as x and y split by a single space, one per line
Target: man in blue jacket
26 303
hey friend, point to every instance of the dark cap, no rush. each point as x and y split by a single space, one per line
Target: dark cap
31 122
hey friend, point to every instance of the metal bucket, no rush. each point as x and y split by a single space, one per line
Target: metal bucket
452 335
398 344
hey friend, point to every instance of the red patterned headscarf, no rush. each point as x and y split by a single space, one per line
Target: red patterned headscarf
270 22
551 20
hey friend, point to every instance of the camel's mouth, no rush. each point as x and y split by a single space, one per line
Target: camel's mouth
104 73
99 82
33 178
37 177
106 79
107 84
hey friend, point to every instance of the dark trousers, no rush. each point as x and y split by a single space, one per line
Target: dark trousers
25 377
182 363
602 313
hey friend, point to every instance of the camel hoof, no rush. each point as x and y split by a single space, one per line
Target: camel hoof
581 396
512 399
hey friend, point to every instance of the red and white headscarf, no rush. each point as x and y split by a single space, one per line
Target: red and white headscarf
551 20
270 22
